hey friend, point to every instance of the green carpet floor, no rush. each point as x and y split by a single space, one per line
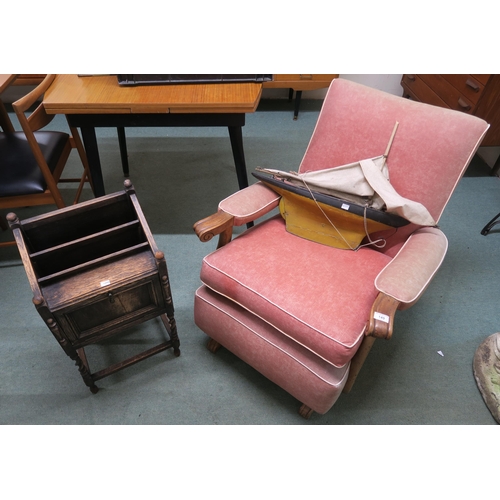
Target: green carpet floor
180 175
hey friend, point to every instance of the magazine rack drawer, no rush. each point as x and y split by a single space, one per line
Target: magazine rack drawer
102 315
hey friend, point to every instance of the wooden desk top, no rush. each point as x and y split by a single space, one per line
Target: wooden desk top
71 94
6 80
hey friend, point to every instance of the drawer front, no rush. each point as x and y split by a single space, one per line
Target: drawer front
111 311
436 90
420 91
304 78
484 79
466 85
448 93
300 82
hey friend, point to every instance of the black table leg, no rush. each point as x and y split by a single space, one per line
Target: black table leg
90 143
88 123
297 104
122 141
236 136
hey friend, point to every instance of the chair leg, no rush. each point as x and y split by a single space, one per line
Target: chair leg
305 412
79 190
213 346
3 224
357 362
78 145
493 222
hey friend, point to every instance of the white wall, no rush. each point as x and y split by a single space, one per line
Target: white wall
387 83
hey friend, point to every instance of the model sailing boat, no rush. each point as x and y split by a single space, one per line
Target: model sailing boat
341 206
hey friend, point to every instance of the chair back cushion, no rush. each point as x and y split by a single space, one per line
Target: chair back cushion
431 150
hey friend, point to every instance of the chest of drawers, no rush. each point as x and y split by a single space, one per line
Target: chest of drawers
478 95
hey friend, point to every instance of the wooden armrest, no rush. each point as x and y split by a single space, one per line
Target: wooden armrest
219 223
381 320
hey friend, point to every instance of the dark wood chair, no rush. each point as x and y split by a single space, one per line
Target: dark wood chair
32 160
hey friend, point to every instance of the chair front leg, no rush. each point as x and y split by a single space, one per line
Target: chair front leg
380 325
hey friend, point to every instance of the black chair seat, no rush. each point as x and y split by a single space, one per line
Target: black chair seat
19 171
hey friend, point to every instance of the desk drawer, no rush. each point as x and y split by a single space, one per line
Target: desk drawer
300 81
303 78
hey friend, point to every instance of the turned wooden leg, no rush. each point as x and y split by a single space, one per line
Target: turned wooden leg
305 412
83 367
213 345
171 327
74 354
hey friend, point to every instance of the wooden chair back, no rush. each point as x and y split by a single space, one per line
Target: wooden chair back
32 122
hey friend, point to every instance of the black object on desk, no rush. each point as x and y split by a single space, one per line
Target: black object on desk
176 79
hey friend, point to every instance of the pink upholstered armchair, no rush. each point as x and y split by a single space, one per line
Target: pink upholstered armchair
304 314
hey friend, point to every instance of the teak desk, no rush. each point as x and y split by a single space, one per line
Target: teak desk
98 101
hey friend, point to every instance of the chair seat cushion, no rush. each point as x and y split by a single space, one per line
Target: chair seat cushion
19 171
315 294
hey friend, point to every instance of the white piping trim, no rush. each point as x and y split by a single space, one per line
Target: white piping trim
250 214
466 164
230 299
274 345
428 280
277 307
